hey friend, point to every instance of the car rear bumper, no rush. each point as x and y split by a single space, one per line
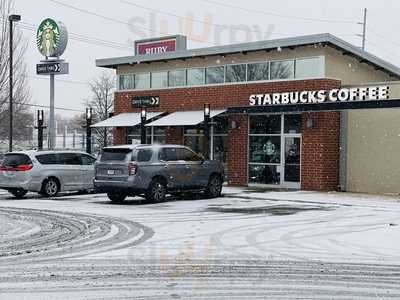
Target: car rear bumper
26 185
105 186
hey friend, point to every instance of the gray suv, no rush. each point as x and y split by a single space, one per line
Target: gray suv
153 171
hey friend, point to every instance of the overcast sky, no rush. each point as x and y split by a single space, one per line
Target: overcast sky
233 21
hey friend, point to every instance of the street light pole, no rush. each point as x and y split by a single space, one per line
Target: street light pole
143 117
88 130
207 119
11 19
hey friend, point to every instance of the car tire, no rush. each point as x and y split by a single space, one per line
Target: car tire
50 187
116 197
18 193
156 191
214 187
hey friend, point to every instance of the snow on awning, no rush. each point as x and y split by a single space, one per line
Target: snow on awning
125 120
184 118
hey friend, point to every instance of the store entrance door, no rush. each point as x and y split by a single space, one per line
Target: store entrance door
291 161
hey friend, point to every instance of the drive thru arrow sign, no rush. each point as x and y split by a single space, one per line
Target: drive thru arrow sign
146 101
52 68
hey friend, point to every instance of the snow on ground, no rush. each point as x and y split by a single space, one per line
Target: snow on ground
316 243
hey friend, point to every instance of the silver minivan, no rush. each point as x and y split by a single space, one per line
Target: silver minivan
46 172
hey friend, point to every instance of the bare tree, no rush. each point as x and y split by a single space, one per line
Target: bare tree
102 102
23 119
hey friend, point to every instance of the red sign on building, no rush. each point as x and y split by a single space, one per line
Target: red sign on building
156 47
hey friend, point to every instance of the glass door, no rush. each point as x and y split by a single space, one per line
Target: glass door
292 161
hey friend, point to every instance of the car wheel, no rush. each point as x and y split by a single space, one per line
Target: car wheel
156 191
214 186
116 197
50 187
18 193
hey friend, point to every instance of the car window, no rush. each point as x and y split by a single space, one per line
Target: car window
188 155
47 159
69 159
114 154
143 155
168 154
15 160
87 160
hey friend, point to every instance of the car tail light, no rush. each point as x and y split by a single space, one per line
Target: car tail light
132 169
24 168
21 168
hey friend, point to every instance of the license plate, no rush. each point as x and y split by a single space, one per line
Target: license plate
110 172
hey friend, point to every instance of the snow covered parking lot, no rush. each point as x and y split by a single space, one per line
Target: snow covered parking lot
247 244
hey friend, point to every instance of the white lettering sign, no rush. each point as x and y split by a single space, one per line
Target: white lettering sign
321 96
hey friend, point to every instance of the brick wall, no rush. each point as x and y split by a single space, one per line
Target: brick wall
237 150
320 152
221 96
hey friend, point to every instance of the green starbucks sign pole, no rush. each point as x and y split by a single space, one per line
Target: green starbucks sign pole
51 40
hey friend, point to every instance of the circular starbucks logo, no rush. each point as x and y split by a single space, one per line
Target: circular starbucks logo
51 38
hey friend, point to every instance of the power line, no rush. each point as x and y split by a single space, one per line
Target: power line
181 17
46 106
82 38
112 19
79 37
62 80
274 14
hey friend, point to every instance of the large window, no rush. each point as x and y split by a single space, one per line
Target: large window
215 75
282 69
126 82
258 71
195 76
309 67
177 78
159 80
142 81
236 73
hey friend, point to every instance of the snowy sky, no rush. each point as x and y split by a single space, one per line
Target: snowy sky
260 19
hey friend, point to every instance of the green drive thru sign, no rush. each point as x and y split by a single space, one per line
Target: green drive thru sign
51 38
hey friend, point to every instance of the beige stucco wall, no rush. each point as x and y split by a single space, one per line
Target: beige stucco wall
373 159
373 136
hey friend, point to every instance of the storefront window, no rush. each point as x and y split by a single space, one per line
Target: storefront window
258 71
264 174
309 67
194 142
142 81
126 82
154 135
292 123
265 149
235 73
177 78
275 150
282 69
159 80
215 75
220 125
133 135
195 76
263 124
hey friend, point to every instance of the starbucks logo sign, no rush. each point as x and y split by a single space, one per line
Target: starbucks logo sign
51 38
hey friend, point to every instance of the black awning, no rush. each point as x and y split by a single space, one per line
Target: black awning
335 106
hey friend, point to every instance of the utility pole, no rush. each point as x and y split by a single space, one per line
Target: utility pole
364 34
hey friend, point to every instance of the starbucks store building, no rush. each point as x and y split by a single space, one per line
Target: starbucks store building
311 112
